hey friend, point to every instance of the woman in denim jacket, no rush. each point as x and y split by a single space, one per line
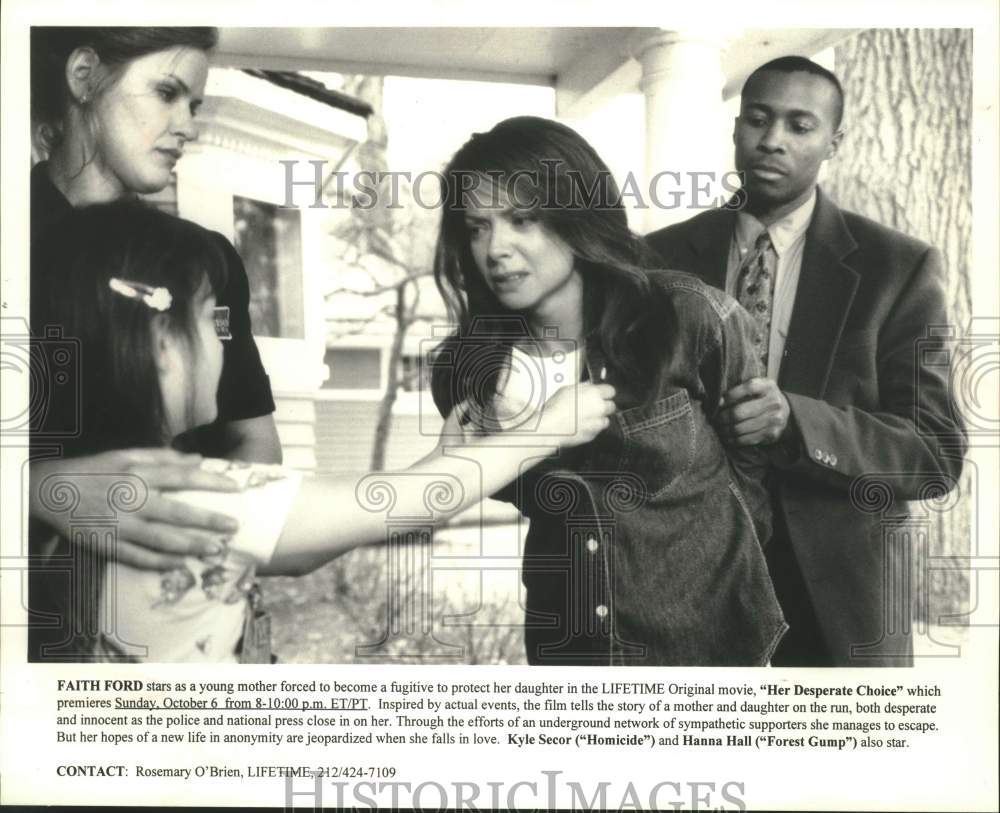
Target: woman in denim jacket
645 545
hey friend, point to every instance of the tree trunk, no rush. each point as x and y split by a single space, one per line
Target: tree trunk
906 158
906 161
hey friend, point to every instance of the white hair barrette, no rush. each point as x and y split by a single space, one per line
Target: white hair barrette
158 299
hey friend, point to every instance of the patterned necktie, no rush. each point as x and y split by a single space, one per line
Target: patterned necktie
754 292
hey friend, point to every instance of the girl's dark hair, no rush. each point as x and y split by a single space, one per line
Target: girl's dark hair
120 404
550 169
51 48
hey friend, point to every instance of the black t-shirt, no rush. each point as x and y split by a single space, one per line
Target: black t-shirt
244 388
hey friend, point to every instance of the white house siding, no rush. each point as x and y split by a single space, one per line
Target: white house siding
345 431
294 417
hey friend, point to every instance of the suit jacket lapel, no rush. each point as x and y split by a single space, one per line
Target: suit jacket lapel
825 292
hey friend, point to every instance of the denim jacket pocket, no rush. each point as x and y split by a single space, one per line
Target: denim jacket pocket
659 441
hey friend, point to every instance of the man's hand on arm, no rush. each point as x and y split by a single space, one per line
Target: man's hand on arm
754 413
161 531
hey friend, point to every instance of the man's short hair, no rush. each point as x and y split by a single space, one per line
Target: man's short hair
794 64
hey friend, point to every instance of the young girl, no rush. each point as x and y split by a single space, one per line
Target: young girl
644 546
113 110
136 288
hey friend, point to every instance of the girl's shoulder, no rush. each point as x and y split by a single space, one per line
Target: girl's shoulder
260 505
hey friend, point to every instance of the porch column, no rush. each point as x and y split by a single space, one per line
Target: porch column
686 131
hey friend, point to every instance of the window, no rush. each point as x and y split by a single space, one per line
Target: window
354 368
269 240
415 375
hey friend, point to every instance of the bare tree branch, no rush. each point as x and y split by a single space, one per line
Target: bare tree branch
416 295
380 289
364 323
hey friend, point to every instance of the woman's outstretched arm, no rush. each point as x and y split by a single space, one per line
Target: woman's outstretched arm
331 515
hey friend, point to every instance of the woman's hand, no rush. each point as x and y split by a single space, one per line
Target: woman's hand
160 531
573 416
577 413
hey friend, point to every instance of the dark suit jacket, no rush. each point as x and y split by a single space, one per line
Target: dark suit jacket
870 401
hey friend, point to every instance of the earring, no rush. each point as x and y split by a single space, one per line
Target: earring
85 97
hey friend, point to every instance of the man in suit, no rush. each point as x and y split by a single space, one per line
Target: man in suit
841 303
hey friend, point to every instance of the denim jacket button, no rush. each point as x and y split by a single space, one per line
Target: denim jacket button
601 611
592 544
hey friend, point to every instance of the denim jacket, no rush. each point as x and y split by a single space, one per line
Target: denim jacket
645 545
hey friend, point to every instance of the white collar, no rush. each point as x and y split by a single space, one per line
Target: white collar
784 233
